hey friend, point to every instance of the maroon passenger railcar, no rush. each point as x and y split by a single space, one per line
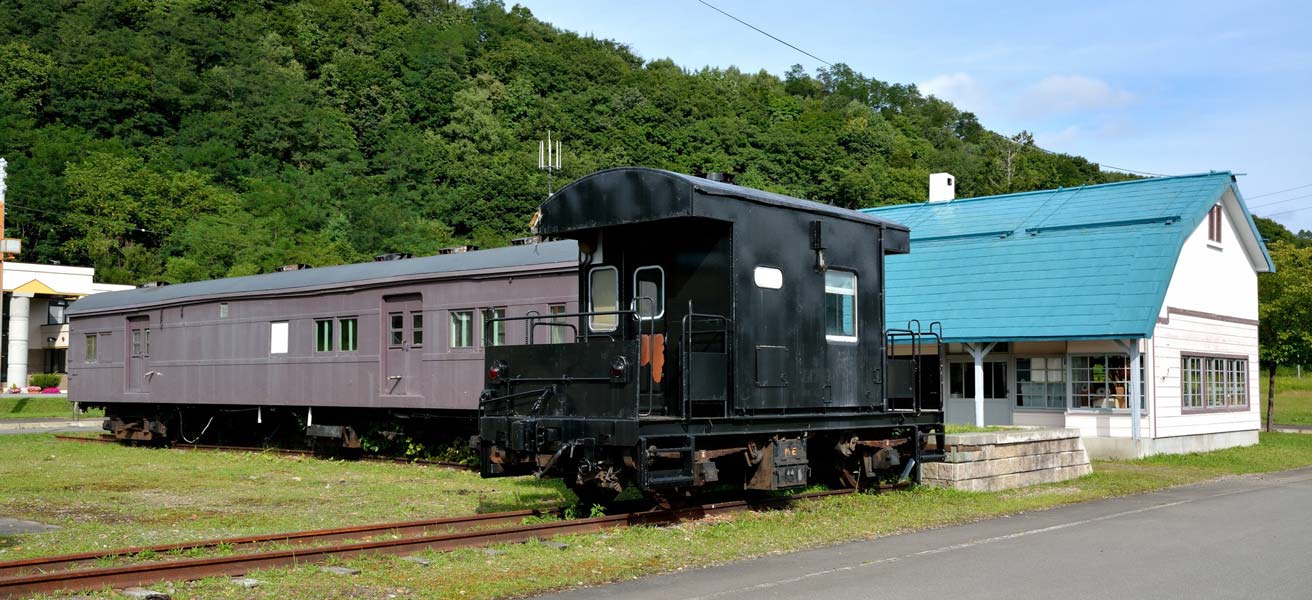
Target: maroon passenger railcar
329 352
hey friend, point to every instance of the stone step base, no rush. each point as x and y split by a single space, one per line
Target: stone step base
1012 480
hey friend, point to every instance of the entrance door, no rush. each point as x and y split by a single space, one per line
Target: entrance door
139 373
961 393
404 330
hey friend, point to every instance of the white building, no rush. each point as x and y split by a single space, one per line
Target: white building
1048 298
35 330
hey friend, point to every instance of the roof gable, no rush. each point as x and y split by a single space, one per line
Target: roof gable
1078 263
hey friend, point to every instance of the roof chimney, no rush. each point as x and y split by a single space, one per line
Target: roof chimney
942 187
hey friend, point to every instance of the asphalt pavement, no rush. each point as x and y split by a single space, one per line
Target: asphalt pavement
1239 537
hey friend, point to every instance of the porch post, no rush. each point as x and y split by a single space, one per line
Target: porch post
978 354
1136 394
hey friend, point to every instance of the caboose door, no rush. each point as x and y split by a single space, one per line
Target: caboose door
403 343
138 352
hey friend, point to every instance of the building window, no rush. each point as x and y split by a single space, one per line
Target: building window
56 360
497 329
90 355
558 332
1214 224
604 297
323 335
1103 381
146 340
396 329
136 342
462 325
1213 383
349 341
1041 382
278 337
840 306
55 308
961 380
223 310
649 292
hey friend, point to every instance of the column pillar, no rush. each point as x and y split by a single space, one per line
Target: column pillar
19 307
978 354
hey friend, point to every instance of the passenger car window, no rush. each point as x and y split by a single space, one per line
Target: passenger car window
840 306
462 325
649 292
604 296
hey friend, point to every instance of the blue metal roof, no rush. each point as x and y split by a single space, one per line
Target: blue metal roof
1091 262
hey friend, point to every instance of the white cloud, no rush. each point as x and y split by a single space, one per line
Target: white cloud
958 88
1070 93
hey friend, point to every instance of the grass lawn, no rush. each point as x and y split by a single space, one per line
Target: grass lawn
25 408
107 496
1293 399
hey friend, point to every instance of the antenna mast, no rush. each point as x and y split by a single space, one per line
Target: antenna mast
549 159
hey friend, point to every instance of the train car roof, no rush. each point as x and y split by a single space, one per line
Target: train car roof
638 194
497 260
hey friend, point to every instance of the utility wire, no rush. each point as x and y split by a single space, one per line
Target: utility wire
827 63
1265 204
764 32
1286 212
1279 192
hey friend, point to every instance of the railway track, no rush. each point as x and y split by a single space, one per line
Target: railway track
60 573
109 439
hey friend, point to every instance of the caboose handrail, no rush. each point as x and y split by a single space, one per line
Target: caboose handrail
553 320
685 351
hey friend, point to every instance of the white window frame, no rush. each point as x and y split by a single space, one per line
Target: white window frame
1065 388
1143 383
592 326
660 302
856 313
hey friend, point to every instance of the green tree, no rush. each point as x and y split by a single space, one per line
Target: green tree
1285 314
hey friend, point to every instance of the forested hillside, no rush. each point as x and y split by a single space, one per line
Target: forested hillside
190 139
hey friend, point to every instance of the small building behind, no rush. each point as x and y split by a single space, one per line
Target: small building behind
34 328
1066 307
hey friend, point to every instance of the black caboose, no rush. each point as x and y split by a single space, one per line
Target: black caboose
728 336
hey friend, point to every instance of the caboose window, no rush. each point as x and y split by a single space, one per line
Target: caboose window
416 329
649 292
840 306
604 297
91 348
323 336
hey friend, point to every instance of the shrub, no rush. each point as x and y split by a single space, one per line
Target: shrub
45 380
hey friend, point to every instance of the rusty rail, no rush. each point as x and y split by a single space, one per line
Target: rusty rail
197 568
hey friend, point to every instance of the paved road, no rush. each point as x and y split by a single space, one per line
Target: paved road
1242 537
48 425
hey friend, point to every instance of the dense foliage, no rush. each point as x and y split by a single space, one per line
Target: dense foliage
1285 313
190 139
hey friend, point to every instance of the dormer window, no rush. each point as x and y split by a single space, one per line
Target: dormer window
1214 224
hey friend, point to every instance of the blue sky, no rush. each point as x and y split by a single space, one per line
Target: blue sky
1162 87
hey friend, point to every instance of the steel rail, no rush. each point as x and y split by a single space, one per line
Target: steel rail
465 523
198 568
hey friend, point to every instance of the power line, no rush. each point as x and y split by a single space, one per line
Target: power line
769 35
1279 192
1280 201
765 33
1286 212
